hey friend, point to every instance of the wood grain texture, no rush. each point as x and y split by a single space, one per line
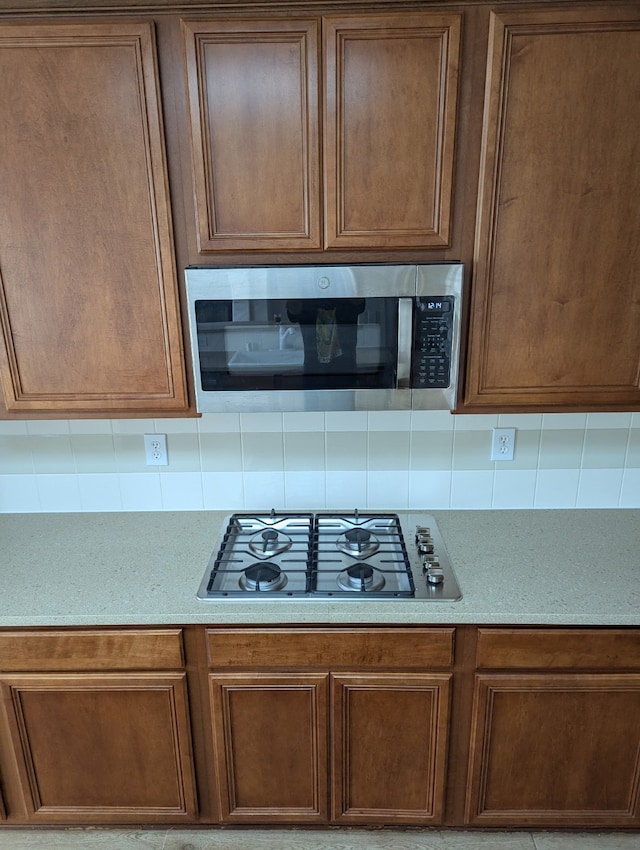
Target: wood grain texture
389 129
253 98
576 649
389 745
88 293
90 649
323 648
102 748
556 301
555 750
271 746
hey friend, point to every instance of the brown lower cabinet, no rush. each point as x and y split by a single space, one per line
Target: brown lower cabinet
338 743
555 739
462 726
270 737
107 746
389 747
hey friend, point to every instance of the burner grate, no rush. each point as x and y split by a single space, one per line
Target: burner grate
278 555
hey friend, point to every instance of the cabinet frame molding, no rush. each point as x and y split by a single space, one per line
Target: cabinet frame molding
436 689
505 28
483 772
223 687
338 31
152 374
210 204
170 685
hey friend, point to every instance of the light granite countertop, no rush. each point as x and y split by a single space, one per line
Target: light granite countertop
565 567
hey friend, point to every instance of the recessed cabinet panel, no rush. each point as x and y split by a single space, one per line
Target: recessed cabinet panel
102 748
389 747
253 96
88 293
390 100
555 750
556 307
271 746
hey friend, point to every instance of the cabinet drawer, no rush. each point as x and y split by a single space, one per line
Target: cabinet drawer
582 649
331 648
113 649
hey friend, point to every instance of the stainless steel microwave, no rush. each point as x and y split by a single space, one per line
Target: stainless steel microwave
296 338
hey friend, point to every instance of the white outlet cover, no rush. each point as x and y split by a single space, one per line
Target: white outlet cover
503 443
155 450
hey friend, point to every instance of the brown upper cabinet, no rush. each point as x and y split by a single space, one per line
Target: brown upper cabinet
89 317
556 289
323 133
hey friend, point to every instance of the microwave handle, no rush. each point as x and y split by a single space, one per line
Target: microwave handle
405 342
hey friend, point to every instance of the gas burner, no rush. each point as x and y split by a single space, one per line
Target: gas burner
269 542
263 577
327 556
358 542
360 577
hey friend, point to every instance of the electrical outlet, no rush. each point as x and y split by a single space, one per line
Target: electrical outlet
502 443
155 449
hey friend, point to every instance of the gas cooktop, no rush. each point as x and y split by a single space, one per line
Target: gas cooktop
359 555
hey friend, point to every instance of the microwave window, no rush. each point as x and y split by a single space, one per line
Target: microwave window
297 344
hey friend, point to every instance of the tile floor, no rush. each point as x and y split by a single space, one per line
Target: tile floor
296 839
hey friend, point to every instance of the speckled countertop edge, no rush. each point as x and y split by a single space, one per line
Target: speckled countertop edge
558 568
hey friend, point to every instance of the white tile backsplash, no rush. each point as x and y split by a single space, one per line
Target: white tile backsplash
630 491
599 488
380 460
557 488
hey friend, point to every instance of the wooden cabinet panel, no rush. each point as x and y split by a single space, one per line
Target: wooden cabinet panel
389 747
555 750
88 293
371 648
102 748
253 95
390 100
91 650
576 649
270 737
556 306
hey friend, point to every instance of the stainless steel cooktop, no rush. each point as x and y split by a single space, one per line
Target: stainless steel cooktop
323 555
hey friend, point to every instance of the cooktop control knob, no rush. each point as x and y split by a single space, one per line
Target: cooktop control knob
422 531
435 576
429 561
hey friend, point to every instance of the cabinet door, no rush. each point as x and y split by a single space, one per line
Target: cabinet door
88 300
108 748
253 98
556 307
390 100
270 737
556 750
389 747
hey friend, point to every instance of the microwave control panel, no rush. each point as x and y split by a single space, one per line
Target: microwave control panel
432 342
